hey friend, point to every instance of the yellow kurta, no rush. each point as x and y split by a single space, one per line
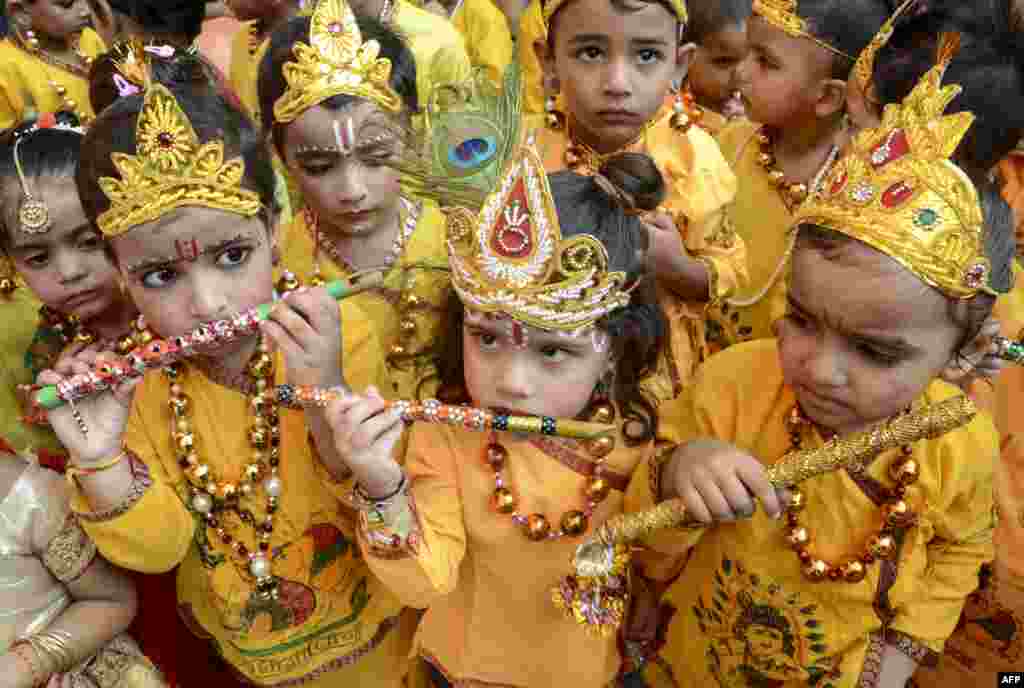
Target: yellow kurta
421 272
763 221
700 186
29 84
439 49
485 32
531 30
746 616
332 622
486 588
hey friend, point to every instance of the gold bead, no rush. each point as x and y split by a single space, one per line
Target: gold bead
797 501
853 571
504 501
185 441
905 472
316 281
766 159
184 425
226 491
192 459
125 344
815 570
71 103
407 326
601 447
84 338
262 365
798 537
198 472
882 546
553 121
61 90
410 300
776 177
537 527
259 437
8 286
145 337
397 350
680 121
572 158
602 413
574 523
496 456
897 514
598 489
798 192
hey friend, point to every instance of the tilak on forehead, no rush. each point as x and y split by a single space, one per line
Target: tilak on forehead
551 7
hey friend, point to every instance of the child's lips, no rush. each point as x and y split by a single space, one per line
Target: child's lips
618 117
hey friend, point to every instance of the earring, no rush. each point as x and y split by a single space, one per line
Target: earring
8 282
31 41
554 119
313 223
685 111
600 409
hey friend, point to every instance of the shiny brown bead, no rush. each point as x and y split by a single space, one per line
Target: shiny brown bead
8 286
905 472
288 282
411 300
598 490
854 571
185 441
776 177
797 501
496 456
262 365
798 537
898 514
574 523
602 413
504 501
398 350
765 159
144 337
571 158
882 546
316 281
680 121
834 574
259 437
798 192
125 344
537 527
804 556
407 326
601 447
179 404
816 570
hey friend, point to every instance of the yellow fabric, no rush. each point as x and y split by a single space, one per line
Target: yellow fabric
486 587
762 219
25 82
699 186
330 611
486 34
742 593
422 270
531 30
439 49
245 67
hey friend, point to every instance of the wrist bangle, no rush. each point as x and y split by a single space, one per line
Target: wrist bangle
373 503
74 469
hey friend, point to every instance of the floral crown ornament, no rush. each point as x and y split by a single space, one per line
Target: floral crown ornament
171 170
897 191
782 14
512 259
864 67
337 61
551 7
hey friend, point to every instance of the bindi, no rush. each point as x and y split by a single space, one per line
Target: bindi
187 251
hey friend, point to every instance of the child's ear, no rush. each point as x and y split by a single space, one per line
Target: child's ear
546 56
684 58
831 98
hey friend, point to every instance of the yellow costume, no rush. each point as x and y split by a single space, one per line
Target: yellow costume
700 186
486 34
406 310
31 83
531 30
746 614
763 220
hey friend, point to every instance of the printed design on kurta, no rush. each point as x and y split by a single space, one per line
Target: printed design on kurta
987 624
726 327
760 635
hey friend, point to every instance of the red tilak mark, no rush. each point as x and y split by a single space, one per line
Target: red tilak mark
187 251
518 334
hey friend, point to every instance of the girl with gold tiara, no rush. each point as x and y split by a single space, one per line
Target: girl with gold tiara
44 62
196 466
339 135
550 315
612 62
856 577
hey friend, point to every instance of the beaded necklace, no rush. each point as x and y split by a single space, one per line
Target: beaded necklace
580 156
30 44
793 193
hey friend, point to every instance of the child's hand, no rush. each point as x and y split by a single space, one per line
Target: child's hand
306 326
365 435
718 482
978 358
105 415
664 243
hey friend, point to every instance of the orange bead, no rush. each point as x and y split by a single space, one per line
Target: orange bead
574 523
601 447
797 501
898 514
504 501
798 537
537 527
602 413
407 326
816 571
905 472
598 489
882 546
798 192
776 177
853 571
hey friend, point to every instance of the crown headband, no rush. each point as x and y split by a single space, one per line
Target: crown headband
511 258
33 213
171 170
336 62
864 67
552 6
898 192
782 15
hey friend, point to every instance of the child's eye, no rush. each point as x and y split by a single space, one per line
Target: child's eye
90 243
234 256
554 354
798 320
158 278
317 169
589 53
649 55
487 341
725 62
37 260
882 358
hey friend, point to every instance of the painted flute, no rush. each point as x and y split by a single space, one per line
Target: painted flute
469 417
163 352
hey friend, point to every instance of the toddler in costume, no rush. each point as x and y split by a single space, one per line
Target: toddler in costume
550 316
612 62
44 61
718 31
196 466
860 575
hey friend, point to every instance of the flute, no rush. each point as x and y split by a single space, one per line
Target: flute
468 417
597 593
160 353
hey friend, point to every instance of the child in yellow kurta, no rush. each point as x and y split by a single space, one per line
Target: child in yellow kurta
485 32
862 574
794 52
694 252
476 528
336 143
44 62
531 30
197 467
718 31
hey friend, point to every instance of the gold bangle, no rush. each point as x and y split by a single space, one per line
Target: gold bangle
30 657
74 470
55 646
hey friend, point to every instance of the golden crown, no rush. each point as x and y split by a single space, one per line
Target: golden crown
552 6
171 170
782 14
512 259
897 191
335 62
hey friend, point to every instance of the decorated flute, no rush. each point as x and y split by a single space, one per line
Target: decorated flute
1010 350
596 594
468 417
160 353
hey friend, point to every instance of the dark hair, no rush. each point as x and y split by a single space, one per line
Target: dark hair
846 25
1000 249
621 6
711 16
212 117
272 84
50 152
638 331
988 66
165 17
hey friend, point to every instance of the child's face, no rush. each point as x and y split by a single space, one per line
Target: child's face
713 72
782 77
520 369
855 356
59 19
195 265
338 159
68 267
614 68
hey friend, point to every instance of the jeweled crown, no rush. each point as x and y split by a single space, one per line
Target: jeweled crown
171 169
337 61
864 68
782 14
512 259
897 191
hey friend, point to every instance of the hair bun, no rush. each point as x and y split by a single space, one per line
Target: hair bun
633 181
